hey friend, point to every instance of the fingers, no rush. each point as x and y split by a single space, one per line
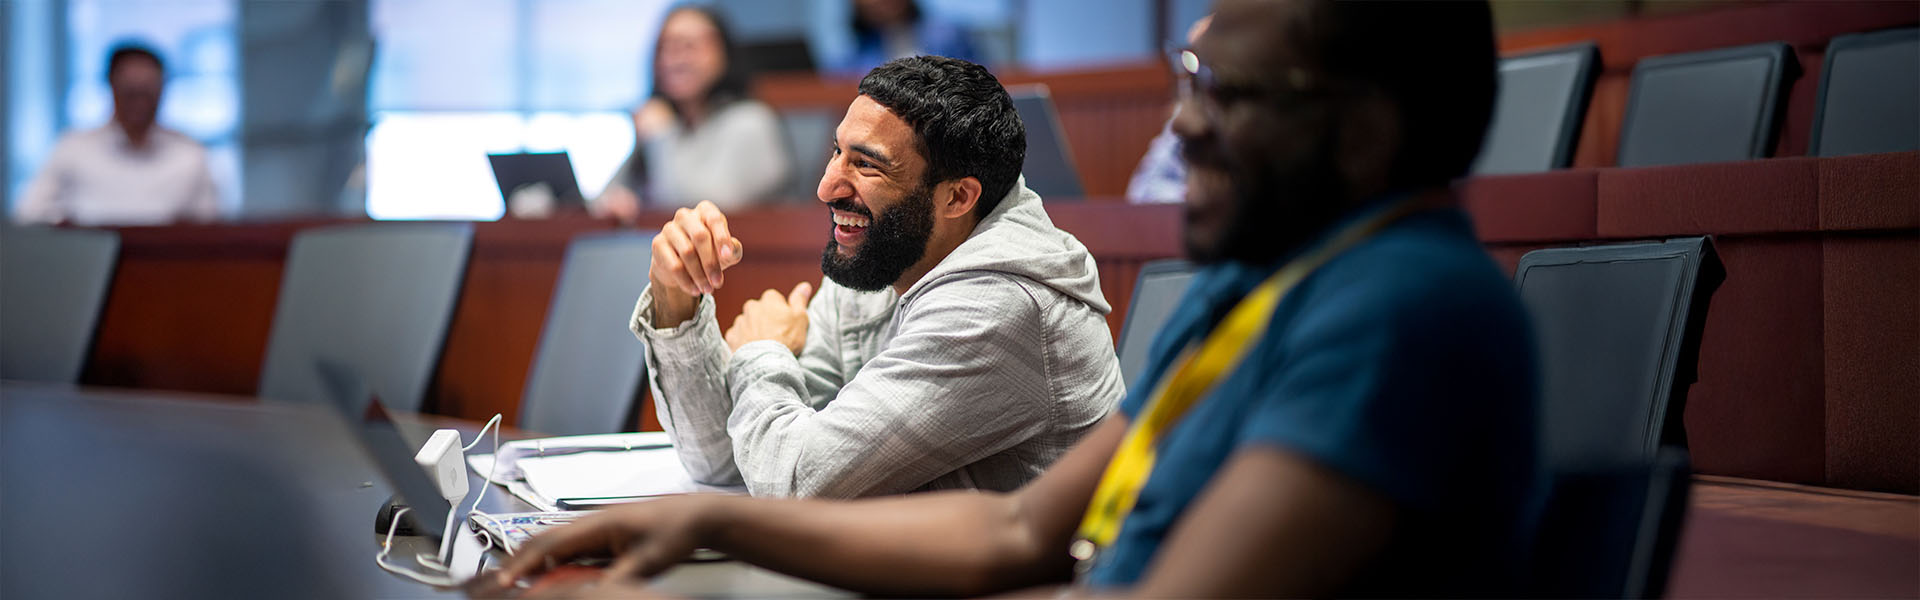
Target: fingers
704 263
555 547
726 248
669 265
628 565
645 559
801 294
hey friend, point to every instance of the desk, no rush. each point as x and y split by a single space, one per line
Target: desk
118 494
108 493
1760 539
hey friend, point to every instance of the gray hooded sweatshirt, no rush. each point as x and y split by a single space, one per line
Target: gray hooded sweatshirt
980 376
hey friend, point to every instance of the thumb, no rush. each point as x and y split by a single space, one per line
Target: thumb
731 253
801 294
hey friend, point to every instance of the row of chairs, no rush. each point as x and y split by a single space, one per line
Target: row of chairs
1712 106
376 297
1618 328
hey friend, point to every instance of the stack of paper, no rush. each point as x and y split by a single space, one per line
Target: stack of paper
544 471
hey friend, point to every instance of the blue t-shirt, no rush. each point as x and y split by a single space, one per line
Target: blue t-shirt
1406 364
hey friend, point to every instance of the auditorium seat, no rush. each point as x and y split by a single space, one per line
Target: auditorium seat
1155 294
1618 330
1050 168
1712 106
589 367
375 298
809 136
1536 119
52 285
1869 95
1611 531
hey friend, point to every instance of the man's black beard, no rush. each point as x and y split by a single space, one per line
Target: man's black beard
895 241
1275 207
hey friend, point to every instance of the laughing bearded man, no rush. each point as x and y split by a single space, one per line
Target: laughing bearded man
959 339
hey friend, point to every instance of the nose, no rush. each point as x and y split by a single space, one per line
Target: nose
1188 120
834 184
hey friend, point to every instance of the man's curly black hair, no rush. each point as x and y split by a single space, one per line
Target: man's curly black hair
963 121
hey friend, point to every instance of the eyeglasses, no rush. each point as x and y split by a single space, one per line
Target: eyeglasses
1199 86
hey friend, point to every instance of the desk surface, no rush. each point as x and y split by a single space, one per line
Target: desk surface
1759 539
111 493
159 495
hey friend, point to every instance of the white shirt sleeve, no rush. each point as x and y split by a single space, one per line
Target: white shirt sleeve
204 202
42 202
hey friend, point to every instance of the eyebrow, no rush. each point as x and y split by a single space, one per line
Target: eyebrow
876 155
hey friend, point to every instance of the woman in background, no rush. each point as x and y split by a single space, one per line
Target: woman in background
699 137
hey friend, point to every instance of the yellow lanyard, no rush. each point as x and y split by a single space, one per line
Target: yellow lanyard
1193 375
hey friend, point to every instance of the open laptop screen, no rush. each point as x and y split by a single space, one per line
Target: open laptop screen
1049 167
514 172
380 438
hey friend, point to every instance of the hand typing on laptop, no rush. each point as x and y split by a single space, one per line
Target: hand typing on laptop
641 539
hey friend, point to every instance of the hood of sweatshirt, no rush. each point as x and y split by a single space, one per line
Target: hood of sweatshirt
1018 238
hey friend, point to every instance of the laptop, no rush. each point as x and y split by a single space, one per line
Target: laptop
544 181
1049 168
781 55
379 437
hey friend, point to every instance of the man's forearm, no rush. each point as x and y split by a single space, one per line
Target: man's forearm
946 543
686 364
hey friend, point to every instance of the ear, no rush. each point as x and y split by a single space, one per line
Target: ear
955 199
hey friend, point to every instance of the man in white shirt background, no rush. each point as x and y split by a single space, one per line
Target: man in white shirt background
129 171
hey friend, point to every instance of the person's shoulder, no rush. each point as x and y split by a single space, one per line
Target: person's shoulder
176 141
1427 269
174 136
1426 251
1003 296
84 138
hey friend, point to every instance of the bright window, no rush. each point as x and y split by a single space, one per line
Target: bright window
454 80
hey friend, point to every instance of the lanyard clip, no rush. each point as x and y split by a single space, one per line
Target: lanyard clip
1084 553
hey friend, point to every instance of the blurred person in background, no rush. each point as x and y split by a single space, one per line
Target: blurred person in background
884 30
130 171
1161 177
699 137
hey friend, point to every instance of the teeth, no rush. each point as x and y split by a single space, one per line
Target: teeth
840 218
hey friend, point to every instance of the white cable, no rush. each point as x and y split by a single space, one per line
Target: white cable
492 471
494 424
386 548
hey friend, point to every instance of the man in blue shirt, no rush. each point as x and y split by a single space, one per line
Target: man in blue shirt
1342 405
